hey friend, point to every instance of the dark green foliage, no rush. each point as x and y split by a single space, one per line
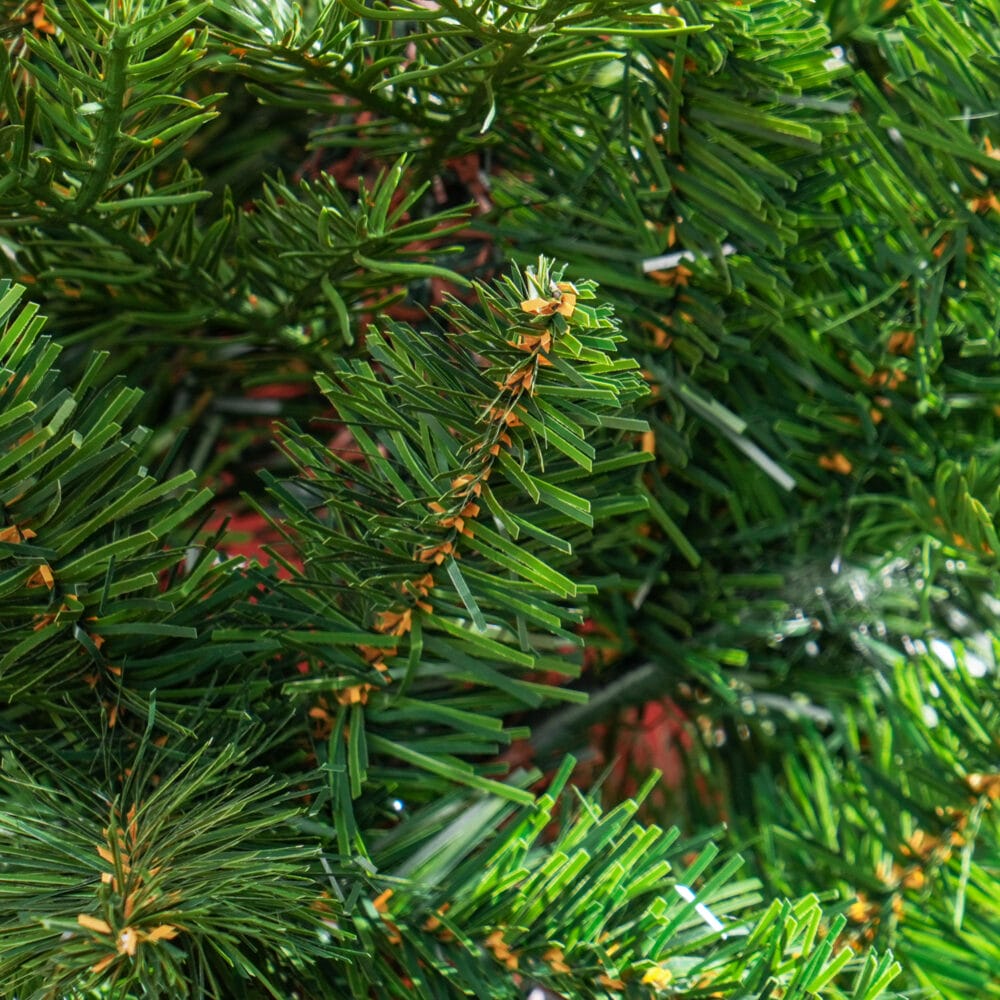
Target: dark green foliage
736 450
175 864
186 880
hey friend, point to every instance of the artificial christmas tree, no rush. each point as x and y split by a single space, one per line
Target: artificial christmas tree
508 367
